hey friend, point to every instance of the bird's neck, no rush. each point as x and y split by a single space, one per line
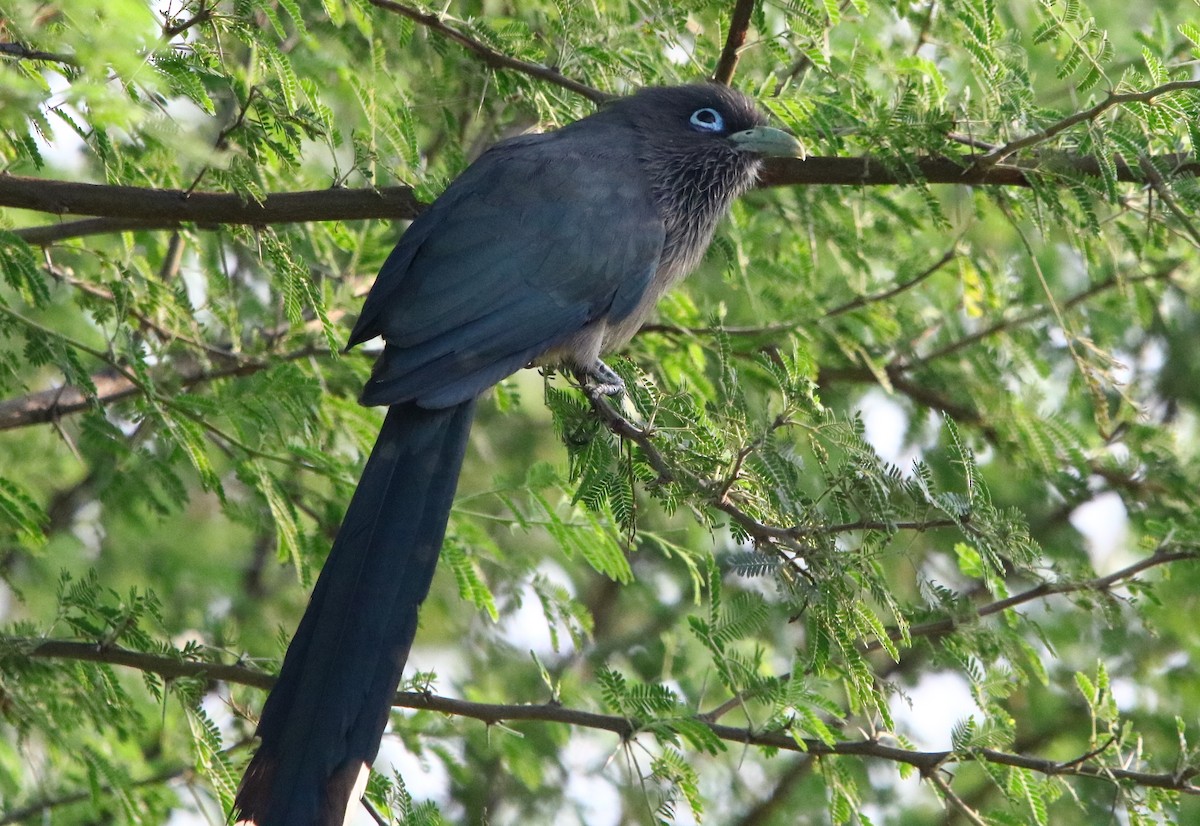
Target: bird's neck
692 194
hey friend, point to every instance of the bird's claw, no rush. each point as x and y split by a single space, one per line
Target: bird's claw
601 380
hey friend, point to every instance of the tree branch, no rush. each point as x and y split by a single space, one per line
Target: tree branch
739 24
174 27
19 51
1001 152
856 303
863 300
173 206
1155 179
1009 324
112 386
123 208
30 811
962 171
941 627
47 234
1102 584
143 322
953 800
489 56
494 713
719 494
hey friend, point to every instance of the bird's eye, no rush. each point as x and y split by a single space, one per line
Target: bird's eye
708 120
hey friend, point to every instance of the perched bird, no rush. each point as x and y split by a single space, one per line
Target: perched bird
549 249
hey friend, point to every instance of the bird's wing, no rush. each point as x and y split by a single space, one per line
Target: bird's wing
538 238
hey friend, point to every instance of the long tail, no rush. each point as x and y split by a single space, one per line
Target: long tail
323 720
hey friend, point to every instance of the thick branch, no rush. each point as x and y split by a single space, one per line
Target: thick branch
128 207
493 713
161 206
489 56
963 171
739 24
47 234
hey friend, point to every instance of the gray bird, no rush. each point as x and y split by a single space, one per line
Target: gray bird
549 249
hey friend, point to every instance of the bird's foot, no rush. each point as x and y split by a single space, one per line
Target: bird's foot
599 379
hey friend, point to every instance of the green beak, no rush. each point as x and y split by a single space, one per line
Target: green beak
769 142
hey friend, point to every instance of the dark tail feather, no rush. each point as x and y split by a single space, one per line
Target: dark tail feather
323 720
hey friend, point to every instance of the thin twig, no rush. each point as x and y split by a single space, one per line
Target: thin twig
112 386
47 804
739 24
47 234
1155 179
720 496
855 303
143 320
1102 584
892 292
204 14
1113 99
941 627
1007 325
953 800
491 57
223 440
221 142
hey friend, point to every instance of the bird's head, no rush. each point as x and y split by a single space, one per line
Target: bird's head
699 147
707 117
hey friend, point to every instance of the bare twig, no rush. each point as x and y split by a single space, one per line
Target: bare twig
720 495
491 57
855 303
739 24
47 234
148 390
221 142
144 321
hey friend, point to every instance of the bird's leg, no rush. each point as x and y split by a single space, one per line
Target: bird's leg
598 379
